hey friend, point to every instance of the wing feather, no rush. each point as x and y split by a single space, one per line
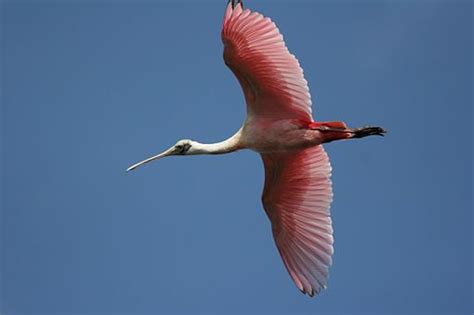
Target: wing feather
270 76
296 197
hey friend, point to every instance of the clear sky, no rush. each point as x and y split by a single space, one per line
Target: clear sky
90 87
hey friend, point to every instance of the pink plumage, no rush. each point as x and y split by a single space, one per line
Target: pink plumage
270 76
296 197
297 193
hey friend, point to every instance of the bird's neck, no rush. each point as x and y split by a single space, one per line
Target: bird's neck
229 145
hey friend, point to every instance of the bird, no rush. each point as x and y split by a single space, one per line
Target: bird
297 192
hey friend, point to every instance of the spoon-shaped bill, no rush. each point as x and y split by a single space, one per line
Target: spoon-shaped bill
168 152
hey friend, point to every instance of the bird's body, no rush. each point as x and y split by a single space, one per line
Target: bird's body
268 136
297 192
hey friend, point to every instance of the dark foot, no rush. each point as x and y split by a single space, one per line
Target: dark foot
368 131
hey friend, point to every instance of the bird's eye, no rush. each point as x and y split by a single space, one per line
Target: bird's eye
182 148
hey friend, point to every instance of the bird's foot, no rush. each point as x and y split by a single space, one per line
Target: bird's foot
368 131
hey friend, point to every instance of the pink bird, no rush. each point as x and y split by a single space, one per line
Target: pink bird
297 192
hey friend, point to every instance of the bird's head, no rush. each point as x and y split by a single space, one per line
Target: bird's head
182 147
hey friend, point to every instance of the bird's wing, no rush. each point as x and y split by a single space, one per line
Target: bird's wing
271 77
296 197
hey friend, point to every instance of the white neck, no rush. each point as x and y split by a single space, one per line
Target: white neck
226 146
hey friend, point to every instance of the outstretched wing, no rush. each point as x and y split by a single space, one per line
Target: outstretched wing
296 197
271 78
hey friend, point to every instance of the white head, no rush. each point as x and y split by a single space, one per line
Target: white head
182 147
190 147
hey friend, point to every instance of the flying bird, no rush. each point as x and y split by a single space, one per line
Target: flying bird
297 192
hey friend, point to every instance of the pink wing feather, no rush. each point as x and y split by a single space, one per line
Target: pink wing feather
296 197
297 192
271 78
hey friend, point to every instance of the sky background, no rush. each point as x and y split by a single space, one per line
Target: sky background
90 87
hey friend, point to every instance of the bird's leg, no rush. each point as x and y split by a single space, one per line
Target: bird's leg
338 130
368 131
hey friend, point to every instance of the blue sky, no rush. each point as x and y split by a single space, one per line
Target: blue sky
90 87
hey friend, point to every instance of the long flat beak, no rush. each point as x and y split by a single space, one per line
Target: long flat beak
168 152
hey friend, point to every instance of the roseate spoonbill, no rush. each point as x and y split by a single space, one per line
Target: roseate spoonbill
297 192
